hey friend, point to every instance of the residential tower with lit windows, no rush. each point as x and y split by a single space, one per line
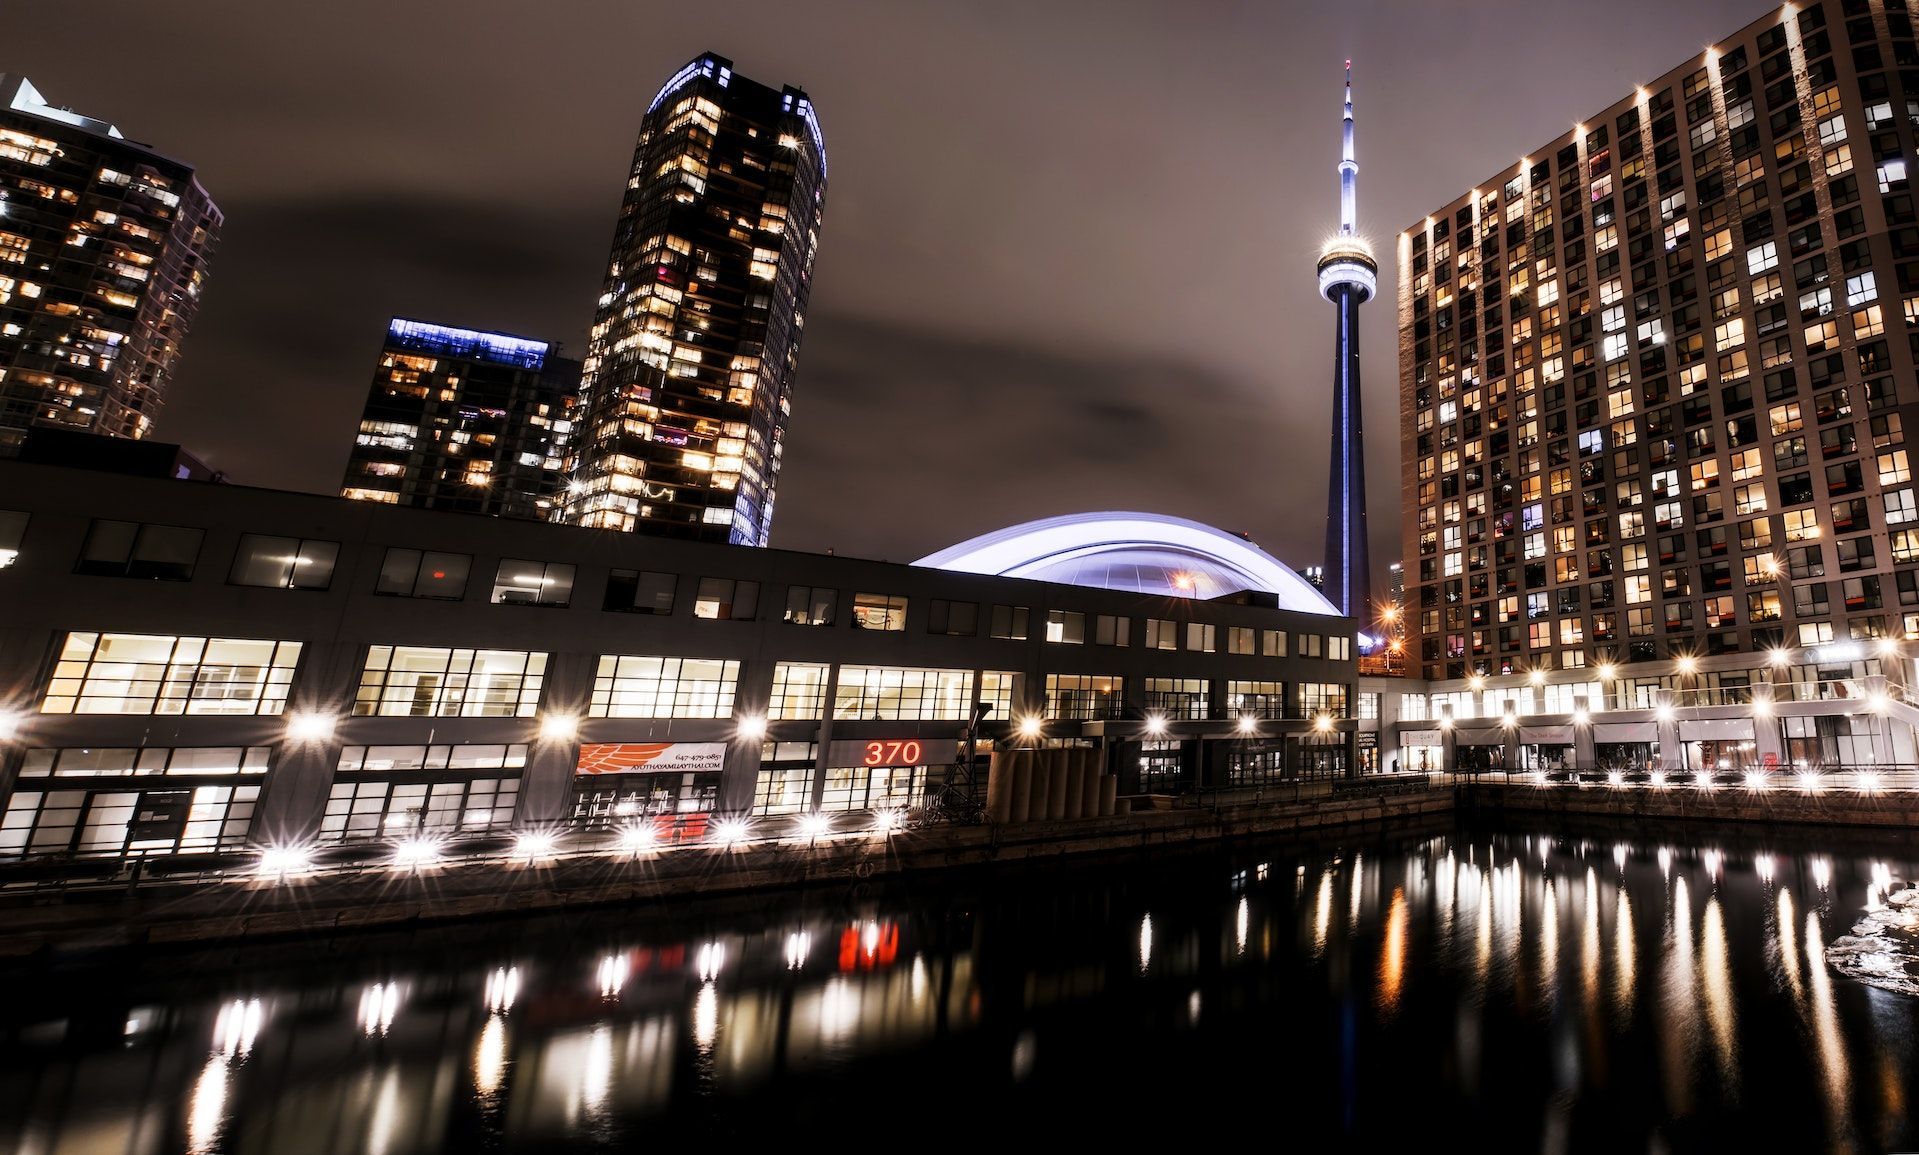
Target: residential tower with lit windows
1655 374
104 246
690 365
464 420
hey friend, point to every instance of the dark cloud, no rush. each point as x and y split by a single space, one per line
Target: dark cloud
1068 252
918 439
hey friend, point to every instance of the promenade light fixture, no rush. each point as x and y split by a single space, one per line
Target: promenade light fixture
559 728
310 727
730 831
416 853
282 862
534 844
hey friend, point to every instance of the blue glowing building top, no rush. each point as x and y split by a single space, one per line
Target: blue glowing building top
472 344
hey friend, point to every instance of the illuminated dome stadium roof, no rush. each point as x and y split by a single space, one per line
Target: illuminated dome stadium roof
1145 553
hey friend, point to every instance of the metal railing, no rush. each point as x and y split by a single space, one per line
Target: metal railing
1883 779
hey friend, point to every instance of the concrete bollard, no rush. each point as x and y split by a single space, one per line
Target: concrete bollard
1059 778
1108 795
1089 799
1020 805
999 786
1075 786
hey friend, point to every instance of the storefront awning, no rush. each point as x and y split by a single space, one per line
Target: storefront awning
1546 735
1482 736
1626 732
1715 730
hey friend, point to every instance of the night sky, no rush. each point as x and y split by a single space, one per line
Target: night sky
1068 254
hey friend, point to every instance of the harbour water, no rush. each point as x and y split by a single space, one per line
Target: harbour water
1510 990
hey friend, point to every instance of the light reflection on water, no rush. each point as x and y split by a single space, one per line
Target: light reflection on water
1632 996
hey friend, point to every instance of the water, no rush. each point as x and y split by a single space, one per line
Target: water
1511 991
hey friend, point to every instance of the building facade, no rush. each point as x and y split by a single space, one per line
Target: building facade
104 246
464 420
690 364
1655 376
212 667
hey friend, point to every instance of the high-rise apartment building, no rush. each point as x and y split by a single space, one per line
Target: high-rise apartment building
689 368
462 419
103 257
1655 376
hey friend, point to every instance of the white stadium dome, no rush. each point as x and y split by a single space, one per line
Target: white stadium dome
1146 553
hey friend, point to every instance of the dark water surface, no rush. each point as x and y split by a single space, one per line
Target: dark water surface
1497 991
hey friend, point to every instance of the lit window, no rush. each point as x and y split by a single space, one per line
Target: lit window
642 687
799 691
878 612
890 693
163 674
425 682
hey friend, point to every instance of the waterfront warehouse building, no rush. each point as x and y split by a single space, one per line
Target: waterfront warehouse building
211 667
1655 379
695 341
464 420
104 245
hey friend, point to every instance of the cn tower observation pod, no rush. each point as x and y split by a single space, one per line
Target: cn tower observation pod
1145 553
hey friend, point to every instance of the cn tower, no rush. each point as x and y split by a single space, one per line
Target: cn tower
1348 277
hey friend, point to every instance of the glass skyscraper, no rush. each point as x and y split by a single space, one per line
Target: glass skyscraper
103 258
689 370
1655 375
465 420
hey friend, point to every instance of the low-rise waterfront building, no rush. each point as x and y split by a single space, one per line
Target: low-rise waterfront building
208 668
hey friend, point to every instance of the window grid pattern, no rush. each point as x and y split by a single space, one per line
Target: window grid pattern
1618 361
164 674
642 687
894 693
799 691
109 823
425 682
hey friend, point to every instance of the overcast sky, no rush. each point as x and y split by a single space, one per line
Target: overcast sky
1067 261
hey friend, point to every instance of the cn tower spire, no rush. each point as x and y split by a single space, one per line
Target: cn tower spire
1348 169
1348 277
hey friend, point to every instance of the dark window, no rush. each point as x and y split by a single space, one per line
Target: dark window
129 549
412 573
727 600
958 619
811 605
640 591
